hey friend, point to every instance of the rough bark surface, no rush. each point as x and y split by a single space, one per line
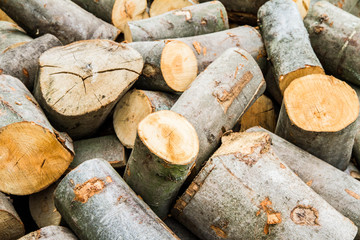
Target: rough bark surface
50 233
97 204
11 36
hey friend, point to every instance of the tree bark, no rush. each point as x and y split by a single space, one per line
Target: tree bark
106 147
92 73
353 171
94 196
64 19
356 147
11 226
336 187
22 62
159 7
180 230
319 114
189 21
11 36
165 150
50 233
245 192
219 96
351 6
335 37
27 165
272 85
287 42
169 65
133 107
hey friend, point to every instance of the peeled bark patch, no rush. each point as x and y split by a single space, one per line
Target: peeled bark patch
88 189
353 194
305 215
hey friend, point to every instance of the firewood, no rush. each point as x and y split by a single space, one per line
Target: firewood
336 187
64 19
356 147
11 226
271 84
94 196
180 230
22 62
34 155
162 6
169 66
5 17
105 147
50 233
287 42
319 114
165 150
133 107
353 171
351 6
78 84
189 21
11 36
245 192
219 96
332 28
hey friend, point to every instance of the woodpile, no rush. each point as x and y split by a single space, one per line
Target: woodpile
157 119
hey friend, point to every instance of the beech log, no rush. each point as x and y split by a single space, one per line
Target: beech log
50 233
180 230
353 171
351 6
162 6
11 36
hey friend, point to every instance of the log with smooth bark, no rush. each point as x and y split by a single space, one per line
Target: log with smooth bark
133 107
165 150
22 62
11 226
353 171
162 6
26 164
319 114
351 6
188 21
169 65
93 196
335 37
219 96
272 86
11 36
78 84
245 192
64 19
180 230
287 42
50 233
343 192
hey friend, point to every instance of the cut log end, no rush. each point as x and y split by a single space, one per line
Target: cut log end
10 226
170 136
162 6
26 164
321 103
128 10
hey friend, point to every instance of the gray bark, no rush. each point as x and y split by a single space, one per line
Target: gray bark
272 85
50 233
351 6
11 35
100 8
353 171
97 204
180 230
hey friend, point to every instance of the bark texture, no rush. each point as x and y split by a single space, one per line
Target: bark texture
100 8
180 230
351 6
11 36
50 233
94 197
353 171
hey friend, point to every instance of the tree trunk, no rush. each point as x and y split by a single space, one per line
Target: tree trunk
94 196
27 165
11 36
169 65
319 114
159 7
165 150
335 38
11 226
219 96
189 21
351 6
334 186
245 192
22 62
133 107
182 232
64 19
106 147
50 233
287 42
94 74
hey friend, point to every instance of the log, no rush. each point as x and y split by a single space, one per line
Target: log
11 226
356 147
182 232
134 107
336 187
22 62
159 7
27 165
50 233
11 36
165 150
169 66
353 171
335 38
189 21
105 147
319 114
92 73
94 196
5 17
218 97
351 6
64 19
245 192
272 86
287 42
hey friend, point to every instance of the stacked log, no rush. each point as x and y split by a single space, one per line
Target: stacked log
351 6
159 7
11 36
11 226
50 233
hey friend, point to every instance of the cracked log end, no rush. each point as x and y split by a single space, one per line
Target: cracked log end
170 136
128 10
321 103
26 164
